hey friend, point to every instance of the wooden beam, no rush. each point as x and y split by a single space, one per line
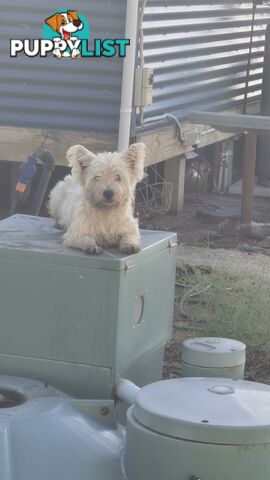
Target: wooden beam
175 173
248 178
18 143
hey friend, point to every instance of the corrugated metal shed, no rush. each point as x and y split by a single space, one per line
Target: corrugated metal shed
81 94
199 51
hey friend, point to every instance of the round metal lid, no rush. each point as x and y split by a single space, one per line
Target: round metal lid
209 410
213 352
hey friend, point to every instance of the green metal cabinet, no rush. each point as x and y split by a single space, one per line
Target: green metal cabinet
78 321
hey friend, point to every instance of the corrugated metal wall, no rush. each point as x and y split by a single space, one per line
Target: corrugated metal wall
199 51
82 94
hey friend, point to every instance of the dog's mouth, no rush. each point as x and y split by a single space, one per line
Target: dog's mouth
66 35
107 203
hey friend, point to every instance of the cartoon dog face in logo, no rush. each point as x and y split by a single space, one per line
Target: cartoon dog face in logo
66 24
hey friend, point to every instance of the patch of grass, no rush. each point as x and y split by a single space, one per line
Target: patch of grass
219 303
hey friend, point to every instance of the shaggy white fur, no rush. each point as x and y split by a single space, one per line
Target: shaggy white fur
95 203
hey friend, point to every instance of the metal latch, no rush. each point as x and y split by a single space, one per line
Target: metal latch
128 267
171 245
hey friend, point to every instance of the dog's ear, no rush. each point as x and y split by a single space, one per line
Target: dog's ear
53 21
79 158
73 14
135 158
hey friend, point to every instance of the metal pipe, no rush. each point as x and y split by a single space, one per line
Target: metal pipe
126 390
128 75
128 78
170 117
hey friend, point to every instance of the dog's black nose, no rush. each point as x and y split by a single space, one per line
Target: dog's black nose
108 194
77 23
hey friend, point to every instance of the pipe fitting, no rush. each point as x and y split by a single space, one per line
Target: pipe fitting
126 390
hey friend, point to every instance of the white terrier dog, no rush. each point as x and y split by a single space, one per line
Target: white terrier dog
95 203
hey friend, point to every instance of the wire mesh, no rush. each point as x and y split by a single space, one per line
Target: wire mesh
154 196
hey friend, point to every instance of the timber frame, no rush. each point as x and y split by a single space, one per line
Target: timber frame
161 145
17 143
165 145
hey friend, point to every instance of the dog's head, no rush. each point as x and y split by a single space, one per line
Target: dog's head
109 179
65 23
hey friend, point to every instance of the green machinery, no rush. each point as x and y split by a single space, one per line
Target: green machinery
77 321
91 327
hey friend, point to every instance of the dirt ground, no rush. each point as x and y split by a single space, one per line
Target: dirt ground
205 230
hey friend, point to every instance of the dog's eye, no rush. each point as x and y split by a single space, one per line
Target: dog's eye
63 21
69 19
118 178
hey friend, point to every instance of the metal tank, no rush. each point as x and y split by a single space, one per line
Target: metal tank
199 429
181 429
47 435
213 357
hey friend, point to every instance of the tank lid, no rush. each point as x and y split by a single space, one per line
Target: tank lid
208 410
213 352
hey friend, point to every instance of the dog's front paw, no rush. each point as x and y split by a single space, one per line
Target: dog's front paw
129 247
93 250
82 242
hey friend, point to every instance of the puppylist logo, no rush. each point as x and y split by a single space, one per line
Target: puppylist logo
66 34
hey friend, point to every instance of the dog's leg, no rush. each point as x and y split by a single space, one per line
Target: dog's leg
129 241
129 244
81 239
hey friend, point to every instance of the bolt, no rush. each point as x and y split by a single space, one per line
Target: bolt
104 411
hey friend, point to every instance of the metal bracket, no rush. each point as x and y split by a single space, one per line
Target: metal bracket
171 245
128 267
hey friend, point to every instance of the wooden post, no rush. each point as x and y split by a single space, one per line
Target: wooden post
175 173
248 178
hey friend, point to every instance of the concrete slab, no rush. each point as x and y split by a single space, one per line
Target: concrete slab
259 191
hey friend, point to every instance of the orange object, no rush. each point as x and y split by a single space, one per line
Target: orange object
20 187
